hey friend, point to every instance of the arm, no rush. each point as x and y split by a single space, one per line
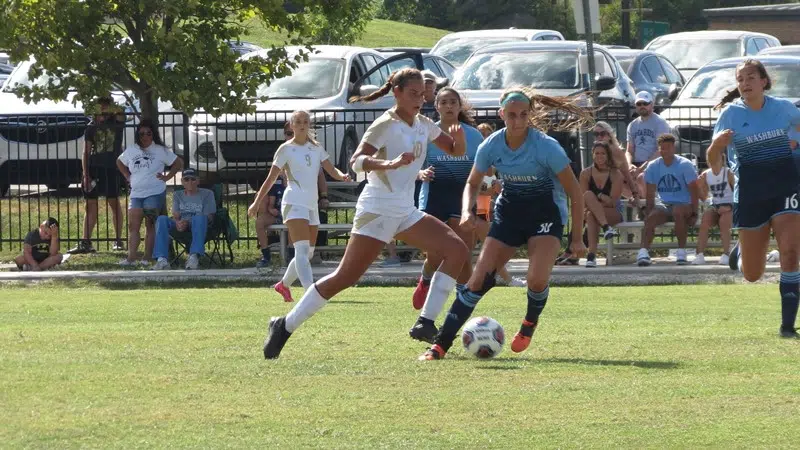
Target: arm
123 169
274 171
452 142
616 188
630 151
176 210
723 136
174 168
731 179
363 160
55 242
567 179
332 171
702 186
27 252
271 206
584 179
470 197
322 190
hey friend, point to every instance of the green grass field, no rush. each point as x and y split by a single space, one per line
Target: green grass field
378 33
616 367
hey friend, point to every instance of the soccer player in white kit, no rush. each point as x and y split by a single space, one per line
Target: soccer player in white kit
392 152
300 159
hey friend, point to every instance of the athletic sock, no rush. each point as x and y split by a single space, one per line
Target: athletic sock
460 311
441 287
605 228
290 276
790 297
303 263
311 302
536 303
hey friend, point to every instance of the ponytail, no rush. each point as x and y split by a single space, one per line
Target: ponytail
732 95
569 114
398 78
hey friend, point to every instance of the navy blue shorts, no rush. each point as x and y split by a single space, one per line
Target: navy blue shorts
444 202
757 214
517 227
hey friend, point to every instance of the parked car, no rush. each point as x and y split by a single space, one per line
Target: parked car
691 50
235 148
692 117
5 72
651 72
42 143
457 47
436 64
552 68
791 50
243 48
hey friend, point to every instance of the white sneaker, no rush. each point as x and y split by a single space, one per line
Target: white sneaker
700 259
774 256
610 233
193 262
680 257
126 263
724 260
643 258
143 263
161 264
518 282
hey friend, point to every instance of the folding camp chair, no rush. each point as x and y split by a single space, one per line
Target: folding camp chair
221 234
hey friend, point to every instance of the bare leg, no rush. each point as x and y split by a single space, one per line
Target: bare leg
361 251
753 246
51 261
710 218
595 207
785 227
116 213
149 237
90 219
652 221
135 217
725 224
593 230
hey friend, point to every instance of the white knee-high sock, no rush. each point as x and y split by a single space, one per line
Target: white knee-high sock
303 263
441 287
311 302
291 270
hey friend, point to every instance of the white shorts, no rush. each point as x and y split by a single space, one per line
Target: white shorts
383 228
290 212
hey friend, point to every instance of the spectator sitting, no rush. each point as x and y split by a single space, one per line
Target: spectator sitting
193 210
716 185
603 205
40 248
675 179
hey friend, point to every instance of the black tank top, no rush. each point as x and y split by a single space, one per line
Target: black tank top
597 191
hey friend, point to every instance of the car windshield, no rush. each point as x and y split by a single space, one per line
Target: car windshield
625 64
458 49
544 70
714 84
317 78
20 78
693 54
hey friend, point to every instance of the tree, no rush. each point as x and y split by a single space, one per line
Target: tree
174 50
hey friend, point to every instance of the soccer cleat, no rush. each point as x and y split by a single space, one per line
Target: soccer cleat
420 293
161 264
276 338
700 259
789 333
433 353
282 289
733 259
263 264
423 331
523 337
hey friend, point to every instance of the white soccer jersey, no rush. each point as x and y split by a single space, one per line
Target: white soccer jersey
391 192
301 164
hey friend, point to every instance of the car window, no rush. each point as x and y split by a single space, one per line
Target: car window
537 69
430 64
402 63
693 54
377 78
315 78
447 69
654 71
552 37
672 73
458 49
713 84
751 48
610 69
761 43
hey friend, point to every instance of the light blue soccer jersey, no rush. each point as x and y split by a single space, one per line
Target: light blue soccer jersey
672 181
450 172
759 154
529 173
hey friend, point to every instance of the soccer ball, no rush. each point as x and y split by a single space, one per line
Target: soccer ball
483 337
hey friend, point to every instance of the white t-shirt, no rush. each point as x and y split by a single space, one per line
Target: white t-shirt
301 163
391 192
144 165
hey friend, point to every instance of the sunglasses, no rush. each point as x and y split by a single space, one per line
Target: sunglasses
189 179
145 133
600 133
642 104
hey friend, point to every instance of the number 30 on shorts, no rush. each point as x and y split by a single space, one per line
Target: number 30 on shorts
791 202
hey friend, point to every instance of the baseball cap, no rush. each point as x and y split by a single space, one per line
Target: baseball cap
189 172
644 96
428 75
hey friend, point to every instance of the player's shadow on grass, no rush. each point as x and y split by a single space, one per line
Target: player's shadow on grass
614 362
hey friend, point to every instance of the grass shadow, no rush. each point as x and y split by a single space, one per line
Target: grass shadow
614 362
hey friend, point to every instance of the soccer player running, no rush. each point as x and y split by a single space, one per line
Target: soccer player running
392 151
300 159
531 210
759 134
441 198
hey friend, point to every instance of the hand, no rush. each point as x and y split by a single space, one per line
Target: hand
497 187
577 249
323 203
467 222
252 211
274 212
402 160
162 177
182 225
427 175
457 133
346 177
723 138
54 230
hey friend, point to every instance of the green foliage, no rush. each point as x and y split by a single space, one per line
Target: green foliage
611 23
174 50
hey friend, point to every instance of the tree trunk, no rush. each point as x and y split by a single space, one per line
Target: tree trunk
148 104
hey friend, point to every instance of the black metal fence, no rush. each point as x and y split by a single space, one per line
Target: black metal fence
40 159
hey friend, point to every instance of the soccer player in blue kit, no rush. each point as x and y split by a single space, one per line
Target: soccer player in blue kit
531 210
759 133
